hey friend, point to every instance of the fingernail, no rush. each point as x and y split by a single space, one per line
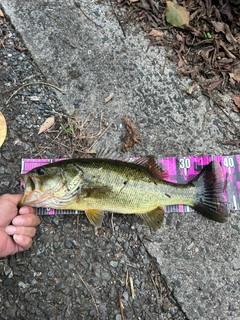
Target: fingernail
24 210
17 238
18 221
10 230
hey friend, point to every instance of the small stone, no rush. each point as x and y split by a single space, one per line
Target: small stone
113 264
130 253
126 245
60 286
92 313
135 304
56 221
6 282
50 274
125 295
68 243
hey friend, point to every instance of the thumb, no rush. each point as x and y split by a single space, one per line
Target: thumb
8 207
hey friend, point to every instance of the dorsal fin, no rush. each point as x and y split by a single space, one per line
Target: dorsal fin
150 163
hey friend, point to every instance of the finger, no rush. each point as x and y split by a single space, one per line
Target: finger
27 210
24 231
24 242
8 208
28 220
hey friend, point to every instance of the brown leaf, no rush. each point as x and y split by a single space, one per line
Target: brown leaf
234 76
215 84
191 88
3 129
132 136
1 14
224 28
236 100
155 33
47 124
180 58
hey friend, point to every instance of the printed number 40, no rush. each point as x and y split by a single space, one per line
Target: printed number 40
228 162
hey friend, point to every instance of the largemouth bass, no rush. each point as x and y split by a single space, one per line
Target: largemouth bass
104 185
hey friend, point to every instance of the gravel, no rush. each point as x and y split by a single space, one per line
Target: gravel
72 271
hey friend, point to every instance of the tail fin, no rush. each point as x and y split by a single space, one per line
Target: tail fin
210 184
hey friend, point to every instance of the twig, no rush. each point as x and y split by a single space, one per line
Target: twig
126 281
119 22
163 68
97 139
86 286
31 84
132 287
77 225
121 307
112 223
223 111
77 4
67 42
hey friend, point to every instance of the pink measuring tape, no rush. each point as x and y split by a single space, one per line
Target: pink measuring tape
180 170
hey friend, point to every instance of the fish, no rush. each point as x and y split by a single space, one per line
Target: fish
99 185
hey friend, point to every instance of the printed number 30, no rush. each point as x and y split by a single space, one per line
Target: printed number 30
184 163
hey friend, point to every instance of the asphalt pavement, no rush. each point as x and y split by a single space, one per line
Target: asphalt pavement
83 51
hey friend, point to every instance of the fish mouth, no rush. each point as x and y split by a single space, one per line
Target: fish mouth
27 182
31 190
35 195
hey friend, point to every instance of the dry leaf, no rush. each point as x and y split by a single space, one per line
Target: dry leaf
234 76
191 88
224 28
180 58
47 124
176 15
3 129
215 84
132 136
1 14
236 100
155 33
111 95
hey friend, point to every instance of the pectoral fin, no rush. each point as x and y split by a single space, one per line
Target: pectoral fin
95 217
153 218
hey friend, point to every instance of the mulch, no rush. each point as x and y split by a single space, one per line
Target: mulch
207 49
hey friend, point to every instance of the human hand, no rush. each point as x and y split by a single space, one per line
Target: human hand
17 226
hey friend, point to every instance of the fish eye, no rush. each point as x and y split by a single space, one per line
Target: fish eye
40 171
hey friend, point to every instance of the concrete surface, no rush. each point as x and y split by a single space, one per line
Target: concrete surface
199 259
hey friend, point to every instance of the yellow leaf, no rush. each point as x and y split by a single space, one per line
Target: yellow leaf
3 129
176 15
1 14
47 124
